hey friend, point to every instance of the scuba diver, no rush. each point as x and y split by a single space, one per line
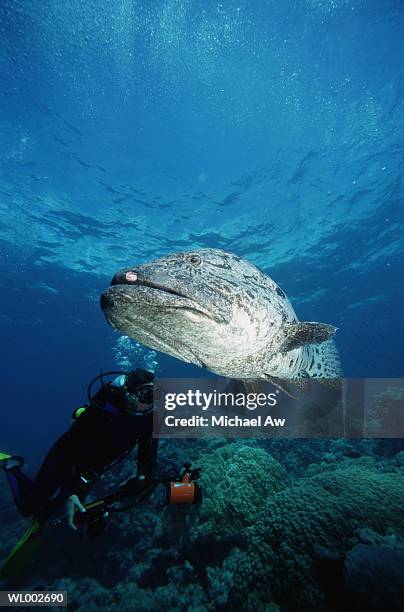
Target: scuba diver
118 417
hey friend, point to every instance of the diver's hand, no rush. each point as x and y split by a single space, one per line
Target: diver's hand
72 504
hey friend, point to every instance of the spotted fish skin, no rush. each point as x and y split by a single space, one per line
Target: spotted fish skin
216 310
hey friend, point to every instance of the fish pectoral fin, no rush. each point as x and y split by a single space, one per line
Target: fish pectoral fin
251 385
258 385
280 384
305 332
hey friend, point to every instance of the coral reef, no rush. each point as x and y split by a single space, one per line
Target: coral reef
235 481
373 578
256 542
326 510
385 414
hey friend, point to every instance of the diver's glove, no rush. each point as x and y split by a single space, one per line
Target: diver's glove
72 504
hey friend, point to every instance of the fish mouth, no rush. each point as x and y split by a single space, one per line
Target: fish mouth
154 293
133 278
160 287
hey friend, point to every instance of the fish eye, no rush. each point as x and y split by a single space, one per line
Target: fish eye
195 260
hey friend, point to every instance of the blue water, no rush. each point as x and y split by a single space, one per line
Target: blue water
133 129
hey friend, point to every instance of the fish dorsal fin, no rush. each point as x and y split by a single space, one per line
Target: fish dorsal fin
305 332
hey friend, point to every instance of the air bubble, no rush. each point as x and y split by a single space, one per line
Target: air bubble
129 355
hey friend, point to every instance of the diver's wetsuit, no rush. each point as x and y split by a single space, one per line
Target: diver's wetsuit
101 436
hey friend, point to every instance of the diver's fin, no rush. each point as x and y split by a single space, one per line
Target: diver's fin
10 461
22 552
298 334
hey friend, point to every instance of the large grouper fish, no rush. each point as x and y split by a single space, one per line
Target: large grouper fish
220 312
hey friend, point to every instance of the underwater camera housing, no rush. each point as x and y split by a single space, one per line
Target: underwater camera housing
184 490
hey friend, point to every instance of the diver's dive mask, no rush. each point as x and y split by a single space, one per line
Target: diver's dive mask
141 400
145 393
138 393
